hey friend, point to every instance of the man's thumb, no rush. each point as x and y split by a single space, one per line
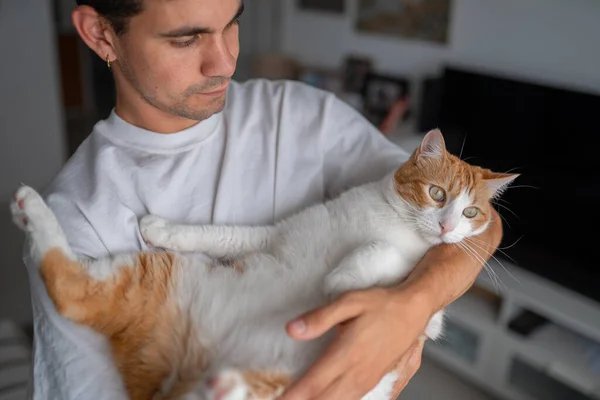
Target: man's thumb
315 323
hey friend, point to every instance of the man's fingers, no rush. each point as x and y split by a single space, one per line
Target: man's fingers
408 366
315 323
339 389
327 369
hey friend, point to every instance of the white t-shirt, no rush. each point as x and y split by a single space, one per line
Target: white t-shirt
275 148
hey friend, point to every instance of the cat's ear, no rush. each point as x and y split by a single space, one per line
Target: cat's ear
433 145
497 183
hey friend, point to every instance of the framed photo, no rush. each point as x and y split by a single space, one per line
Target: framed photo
332 6
385 95
426 20
355 71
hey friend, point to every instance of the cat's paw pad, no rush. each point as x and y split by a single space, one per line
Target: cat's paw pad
155 230
29 212
227 385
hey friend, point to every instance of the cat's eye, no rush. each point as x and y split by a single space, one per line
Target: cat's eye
437 193
471 212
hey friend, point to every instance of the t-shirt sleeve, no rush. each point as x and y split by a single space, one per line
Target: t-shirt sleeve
355 151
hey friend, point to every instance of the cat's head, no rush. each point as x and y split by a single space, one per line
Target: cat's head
445 198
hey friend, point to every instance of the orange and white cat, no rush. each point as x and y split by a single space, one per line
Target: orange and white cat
182 325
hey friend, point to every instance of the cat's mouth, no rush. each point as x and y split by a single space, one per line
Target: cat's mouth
436 236
450 238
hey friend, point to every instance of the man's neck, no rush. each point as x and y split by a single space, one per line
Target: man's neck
146 116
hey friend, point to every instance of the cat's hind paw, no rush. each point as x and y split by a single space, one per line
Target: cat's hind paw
227 385
28 209
32 215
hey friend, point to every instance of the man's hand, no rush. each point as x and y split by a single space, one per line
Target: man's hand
378 330
408 366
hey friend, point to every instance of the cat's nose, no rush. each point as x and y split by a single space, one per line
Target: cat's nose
446 228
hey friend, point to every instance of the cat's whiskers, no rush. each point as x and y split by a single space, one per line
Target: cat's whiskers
492 256
512 245
524 186
503 218
462 147
474 256
506 208
500 249
497 282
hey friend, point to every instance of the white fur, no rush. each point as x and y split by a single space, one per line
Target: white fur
366 237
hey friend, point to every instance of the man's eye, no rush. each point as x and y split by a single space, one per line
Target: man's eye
185 43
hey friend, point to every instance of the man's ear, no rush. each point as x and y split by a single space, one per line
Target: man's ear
95 32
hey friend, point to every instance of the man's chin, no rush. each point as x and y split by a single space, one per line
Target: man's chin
200 113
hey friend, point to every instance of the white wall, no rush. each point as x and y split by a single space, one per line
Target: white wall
32 144
553 41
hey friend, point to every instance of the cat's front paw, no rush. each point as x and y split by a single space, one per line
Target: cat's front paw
155 231
337 283
227 385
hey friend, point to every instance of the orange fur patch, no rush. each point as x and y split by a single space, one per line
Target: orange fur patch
153 344
266 385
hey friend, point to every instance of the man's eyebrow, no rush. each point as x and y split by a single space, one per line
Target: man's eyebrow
198 30
238 14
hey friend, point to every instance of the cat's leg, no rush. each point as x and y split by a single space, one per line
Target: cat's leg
232 384
435 327
128 299
375 264
218 241
384 389
30 213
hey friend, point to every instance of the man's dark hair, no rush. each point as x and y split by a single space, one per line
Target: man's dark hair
116 12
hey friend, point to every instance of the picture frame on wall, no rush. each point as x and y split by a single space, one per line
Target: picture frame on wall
423 20
328 6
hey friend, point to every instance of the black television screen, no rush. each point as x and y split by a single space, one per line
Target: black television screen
547 134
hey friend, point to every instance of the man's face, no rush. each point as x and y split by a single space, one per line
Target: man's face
179 55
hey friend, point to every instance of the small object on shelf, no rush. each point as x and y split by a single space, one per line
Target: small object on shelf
395 116
386 97
356 68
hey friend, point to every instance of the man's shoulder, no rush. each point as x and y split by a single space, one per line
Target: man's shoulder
76 180
295 104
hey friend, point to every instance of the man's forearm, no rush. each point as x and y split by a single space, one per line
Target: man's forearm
447 271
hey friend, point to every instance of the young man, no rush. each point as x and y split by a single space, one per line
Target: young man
187 143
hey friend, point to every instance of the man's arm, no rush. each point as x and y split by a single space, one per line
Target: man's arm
381 329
